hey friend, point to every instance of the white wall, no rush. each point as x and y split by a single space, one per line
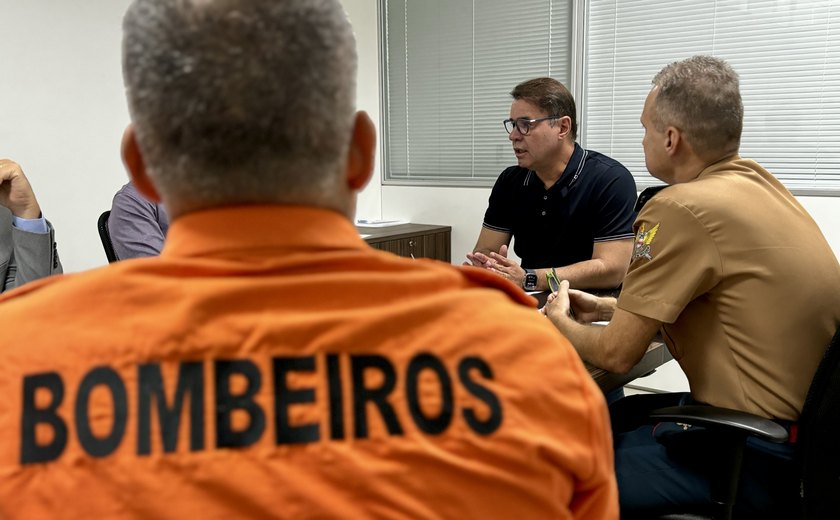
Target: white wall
362 14
62 112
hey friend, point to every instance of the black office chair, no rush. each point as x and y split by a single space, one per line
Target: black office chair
817 453
819 432
105 236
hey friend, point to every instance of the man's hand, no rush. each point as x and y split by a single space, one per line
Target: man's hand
478 259
558 305
499 264
15 191
488 241
506 267
587 307
618 347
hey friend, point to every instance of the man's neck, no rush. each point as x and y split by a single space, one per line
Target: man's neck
695 165
550 175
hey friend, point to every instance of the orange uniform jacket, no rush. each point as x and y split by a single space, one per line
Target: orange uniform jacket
271 365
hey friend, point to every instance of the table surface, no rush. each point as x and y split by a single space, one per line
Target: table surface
656 356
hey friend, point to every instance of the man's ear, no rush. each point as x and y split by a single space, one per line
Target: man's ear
133 160
673 140
362 152
564 127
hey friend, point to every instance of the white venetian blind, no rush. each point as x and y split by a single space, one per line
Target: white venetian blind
787 53
449 66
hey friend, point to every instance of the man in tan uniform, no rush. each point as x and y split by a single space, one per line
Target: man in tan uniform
269 363
727 264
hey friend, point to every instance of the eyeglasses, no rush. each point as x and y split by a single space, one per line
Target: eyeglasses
524 125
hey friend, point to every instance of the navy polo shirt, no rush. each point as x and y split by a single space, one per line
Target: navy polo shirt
593 201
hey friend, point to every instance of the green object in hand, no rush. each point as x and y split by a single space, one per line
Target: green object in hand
553 282
554 286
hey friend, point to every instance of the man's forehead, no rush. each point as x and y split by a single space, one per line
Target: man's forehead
649 100
521 108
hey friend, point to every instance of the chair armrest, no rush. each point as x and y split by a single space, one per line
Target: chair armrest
722 418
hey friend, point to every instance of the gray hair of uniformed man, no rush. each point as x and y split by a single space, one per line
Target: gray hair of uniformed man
550 96
701 97
241 101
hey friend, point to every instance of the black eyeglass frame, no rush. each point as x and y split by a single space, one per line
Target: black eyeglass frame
510 124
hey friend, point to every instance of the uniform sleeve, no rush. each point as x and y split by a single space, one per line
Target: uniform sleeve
498 215
616 201
35 256
674 261
133 227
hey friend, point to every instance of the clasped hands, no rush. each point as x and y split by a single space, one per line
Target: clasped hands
499 263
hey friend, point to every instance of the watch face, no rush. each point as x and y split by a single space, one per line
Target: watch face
530 281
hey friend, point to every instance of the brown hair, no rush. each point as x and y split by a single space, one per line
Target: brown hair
551 96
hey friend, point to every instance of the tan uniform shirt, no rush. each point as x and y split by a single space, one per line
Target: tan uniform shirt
270 364
746 283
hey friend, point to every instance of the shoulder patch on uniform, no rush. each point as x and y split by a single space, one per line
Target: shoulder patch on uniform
641 247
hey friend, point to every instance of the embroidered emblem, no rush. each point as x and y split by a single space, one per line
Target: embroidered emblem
641 248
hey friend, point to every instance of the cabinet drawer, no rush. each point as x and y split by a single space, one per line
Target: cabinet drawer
410 247
413 241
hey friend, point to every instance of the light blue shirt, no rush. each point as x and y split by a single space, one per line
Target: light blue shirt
31 225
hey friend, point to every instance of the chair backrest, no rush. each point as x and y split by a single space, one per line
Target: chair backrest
105 236
818 443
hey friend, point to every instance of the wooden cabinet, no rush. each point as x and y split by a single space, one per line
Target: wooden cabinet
411 240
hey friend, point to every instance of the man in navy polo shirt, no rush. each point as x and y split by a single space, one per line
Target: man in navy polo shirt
568 209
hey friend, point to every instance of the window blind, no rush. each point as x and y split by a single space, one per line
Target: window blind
449 66
786 52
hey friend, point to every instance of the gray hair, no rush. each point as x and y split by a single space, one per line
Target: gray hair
241 101
701 97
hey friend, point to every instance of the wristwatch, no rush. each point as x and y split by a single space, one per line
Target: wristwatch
530 281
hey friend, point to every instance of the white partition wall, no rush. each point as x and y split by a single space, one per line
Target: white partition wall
62 112
362 14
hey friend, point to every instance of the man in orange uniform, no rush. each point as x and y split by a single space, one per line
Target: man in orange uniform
269 364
